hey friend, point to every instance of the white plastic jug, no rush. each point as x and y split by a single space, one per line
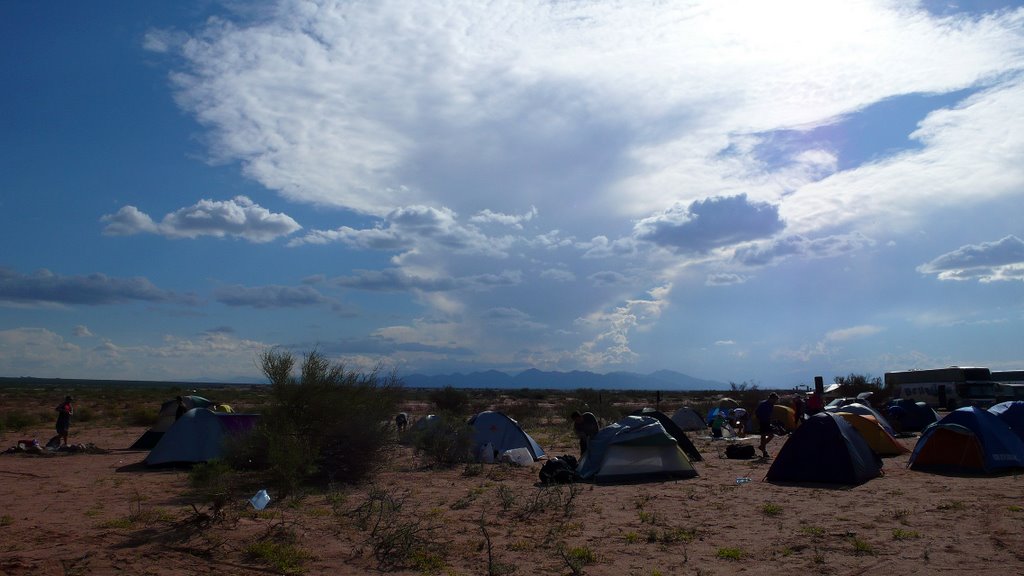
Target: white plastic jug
518 456
487 453
260 500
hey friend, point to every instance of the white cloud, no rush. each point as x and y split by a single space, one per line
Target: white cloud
986 262
611 344
852 332
239 217
81 331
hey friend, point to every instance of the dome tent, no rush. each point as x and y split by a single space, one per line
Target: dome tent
688 419
199 436
634 449
674 431
165 419
970 440
825 449
501 432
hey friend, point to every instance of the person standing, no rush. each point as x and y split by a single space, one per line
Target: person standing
799 408
181 409
586 428
64 412
763 412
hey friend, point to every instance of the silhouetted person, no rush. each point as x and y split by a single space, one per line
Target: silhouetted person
181 409
64 413
586 428
763 413
401 421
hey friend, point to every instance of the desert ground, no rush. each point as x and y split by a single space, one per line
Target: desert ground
101 511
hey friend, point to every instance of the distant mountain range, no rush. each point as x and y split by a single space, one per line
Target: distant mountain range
661 380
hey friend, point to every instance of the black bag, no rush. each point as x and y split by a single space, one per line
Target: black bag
739 451
559 470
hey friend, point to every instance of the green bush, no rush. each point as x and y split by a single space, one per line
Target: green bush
444 442
329 424
450 400
141 416
19 420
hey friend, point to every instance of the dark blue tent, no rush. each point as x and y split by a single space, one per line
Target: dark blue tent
825 449
1012 413
968 439
910 416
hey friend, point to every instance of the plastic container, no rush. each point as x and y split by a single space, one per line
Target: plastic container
742 480
260 500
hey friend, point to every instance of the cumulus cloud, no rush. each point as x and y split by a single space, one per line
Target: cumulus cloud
611 344
716 222
766 253
239 217
558 275
985 262
725 279
420 227
513 220
852 333
607 278
45 287
81 331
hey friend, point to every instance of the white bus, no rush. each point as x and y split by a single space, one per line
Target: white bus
948 388
1009 385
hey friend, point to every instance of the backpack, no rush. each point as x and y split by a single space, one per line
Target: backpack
739 451
559 470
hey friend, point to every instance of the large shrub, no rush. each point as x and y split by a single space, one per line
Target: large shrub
329 423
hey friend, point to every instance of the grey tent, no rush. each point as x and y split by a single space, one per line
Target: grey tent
688 419
502 433
674 431
165 420
634 449
199 436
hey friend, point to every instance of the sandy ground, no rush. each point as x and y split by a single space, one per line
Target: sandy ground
103 513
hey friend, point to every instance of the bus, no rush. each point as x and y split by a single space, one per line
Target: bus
948 388
1009 385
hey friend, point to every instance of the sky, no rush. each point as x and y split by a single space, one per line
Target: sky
741 191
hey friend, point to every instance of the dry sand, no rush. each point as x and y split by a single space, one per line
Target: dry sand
102 513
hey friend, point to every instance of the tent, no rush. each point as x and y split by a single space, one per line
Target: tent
825 449
674 431
688 419
199 436
728 403
865 410
880 441
910 416
784 415
165 419
502 432
970 440
634 449
1012 413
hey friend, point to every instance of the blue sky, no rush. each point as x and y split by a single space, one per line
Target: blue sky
742 191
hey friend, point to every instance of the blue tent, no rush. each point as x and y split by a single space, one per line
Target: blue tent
825 449
502 432
968 439
634 449
911 416
1012 413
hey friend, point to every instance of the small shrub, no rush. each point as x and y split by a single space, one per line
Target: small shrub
141 416
6 520
285 557
769 509
1014 508
212 483
862 547
953 505
899 534
449 399
19 420
729 553
445 442
815 531
632 537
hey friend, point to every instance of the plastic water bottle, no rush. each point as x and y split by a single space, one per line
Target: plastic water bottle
742 480
260 500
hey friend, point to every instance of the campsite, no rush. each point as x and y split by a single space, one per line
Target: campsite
103 510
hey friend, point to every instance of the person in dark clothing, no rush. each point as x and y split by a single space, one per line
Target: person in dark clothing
181 409
799 408
586 428
401 421
64 413
763 413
